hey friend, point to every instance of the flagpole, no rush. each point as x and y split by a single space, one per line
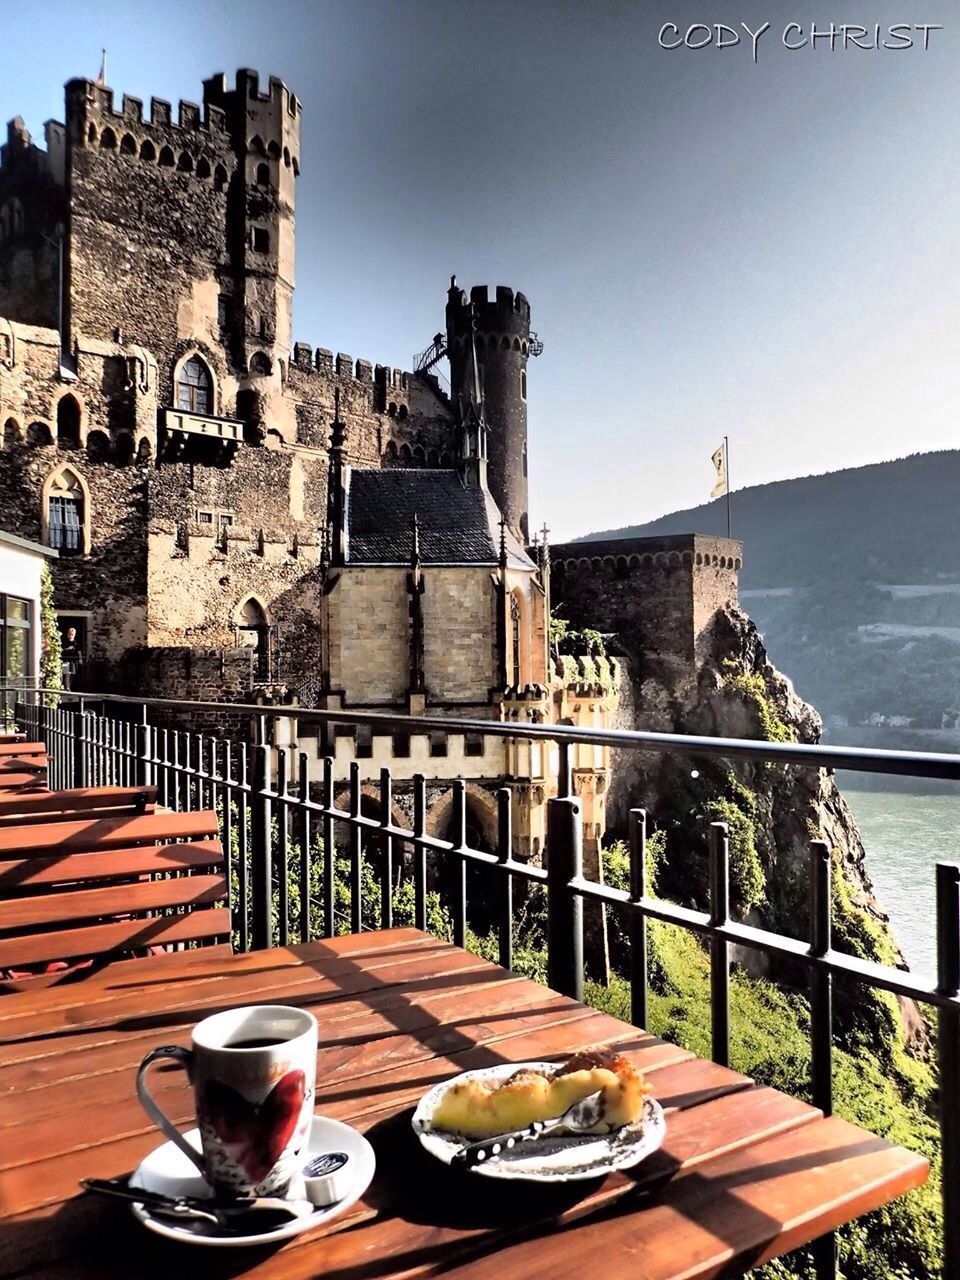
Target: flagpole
726 468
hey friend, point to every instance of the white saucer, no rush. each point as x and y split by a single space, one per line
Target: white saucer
167 1169
561 1159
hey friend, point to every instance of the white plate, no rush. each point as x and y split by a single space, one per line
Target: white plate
168 1170
566 1159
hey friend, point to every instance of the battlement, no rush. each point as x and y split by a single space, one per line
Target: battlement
20 155
627 555
322 360
507 311
216 93
88 101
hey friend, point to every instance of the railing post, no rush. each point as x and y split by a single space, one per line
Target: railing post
329 853
419 853
261 849
143 751
821 1023
564 905
79 746
305 840
386 851
638 923
719 947
355 846
504 887
948 1060
456 876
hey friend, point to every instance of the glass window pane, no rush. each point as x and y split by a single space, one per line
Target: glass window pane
17 610
15 659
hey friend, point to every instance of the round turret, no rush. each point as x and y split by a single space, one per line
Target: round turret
501 327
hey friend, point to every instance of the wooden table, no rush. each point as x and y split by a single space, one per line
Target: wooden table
746 1173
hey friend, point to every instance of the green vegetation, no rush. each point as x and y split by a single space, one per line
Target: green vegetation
877 1083
50 649
752 689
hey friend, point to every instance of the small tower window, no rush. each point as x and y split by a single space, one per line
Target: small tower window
515 639
523 384
68 423
224 311
148 151
108 140
263 175
219 177
128 146
166 160
194 387
261 239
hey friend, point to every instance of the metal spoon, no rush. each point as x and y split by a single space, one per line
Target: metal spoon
225 1214
583 1115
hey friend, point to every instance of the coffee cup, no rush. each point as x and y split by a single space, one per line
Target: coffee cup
253 1072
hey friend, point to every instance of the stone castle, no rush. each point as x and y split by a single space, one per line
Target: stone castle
243 517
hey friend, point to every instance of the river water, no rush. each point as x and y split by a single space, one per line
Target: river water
905 835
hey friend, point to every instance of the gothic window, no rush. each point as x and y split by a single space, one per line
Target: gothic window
185 164
203 167
148 151
108 140
68 423
515 640
194 387
263 175
128 146
66 513
166 160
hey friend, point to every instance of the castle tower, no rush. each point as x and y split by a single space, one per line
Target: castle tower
501 329
265 134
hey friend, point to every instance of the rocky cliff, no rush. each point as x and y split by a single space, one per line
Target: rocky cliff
772 811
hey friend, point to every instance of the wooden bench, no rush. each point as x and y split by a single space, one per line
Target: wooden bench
26 807
11 735
100 889
23 766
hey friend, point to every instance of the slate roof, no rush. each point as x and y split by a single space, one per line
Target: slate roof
458 525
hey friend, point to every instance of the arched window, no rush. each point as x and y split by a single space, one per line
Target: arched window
263 175
66 513
219 177
253 632
194 387
260 365
203 167
11 433
17 211
148 151
166 160
68 423
186 163
98 446
128 146
39 433
108 140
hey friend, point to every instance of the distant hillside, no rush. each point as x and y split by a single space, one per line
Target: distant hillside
854 579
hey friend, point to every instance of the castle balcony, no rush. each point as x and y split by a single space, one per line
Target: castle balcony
182 429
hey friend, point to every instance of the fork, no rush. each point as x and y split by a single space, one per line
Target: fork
579 1118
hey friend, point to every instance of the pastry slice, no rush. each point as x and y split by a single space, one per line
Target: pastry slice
484 1108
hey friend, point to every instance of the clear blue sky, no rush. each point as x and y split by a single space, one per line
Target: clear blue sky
710 246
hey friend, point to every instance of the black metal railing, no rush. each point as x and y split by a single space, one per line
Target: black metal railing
275 826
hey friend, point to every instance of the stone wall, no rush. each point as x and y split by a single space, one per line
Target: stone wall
658 596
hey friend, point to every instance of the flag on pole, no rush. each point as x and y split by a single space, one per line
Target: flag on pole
718 458
102 77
